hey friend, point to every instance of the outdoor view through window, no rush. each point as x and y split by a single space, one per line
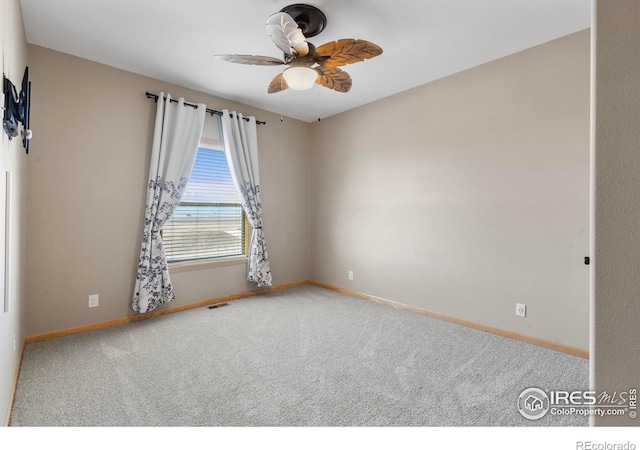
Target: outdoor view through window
209 222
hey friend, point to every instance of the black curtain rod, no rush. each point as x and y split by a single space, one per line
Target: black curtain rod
209 110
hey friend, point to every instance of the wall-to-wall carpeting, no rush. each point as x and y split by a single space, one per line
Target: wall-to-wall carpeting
302 357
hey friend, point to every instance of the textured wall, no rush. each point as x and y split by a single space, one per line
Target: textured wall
88 171
616 323
13 159
466 195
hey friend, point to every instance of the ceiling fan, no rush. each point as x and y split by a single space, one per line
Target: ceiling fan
288 29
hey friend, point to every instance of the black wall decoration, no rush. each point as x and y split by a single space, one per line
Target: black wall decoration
17 108
10 119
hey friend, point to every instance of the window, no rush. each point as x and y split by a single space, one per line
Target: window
209 222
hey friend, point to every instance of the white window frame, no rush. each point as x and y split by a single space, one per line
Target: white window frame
198 264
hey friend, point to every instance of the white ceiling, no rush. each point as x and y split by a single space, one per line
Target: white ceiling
175 40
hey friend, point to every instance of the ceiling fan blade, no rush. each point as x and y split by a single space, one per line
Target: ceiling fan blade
252 60
345 51
334 78
284 32
278 84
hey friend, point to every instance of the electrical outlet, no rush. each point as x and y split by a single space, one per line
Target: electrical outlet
15 345
521 310
351 274
93 301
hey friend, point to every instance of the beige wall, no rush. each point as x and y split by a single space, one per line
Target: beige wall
88 170
13 159
466 195
616 320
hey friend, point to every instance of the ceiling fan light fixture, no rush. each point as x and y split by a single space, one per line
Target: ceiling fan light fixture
300 78
288 29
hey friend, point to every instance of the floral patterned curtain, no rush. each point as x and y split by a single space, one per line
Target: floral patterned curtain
241 148
176 137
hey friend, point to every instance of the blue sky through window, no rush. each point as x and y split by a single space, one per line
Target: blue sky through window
210 180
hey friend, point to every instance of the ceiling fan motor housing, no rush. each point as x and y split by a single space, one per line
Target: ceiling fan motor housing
310 19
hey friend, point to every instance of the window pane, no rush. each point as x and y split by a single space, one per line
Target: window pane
209 222
210 180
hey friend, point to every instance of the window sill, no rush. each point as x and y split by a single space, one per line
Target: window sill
200 265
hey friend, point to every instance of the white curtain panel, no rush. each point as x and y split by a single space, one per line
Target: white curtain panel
241 148
176 138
